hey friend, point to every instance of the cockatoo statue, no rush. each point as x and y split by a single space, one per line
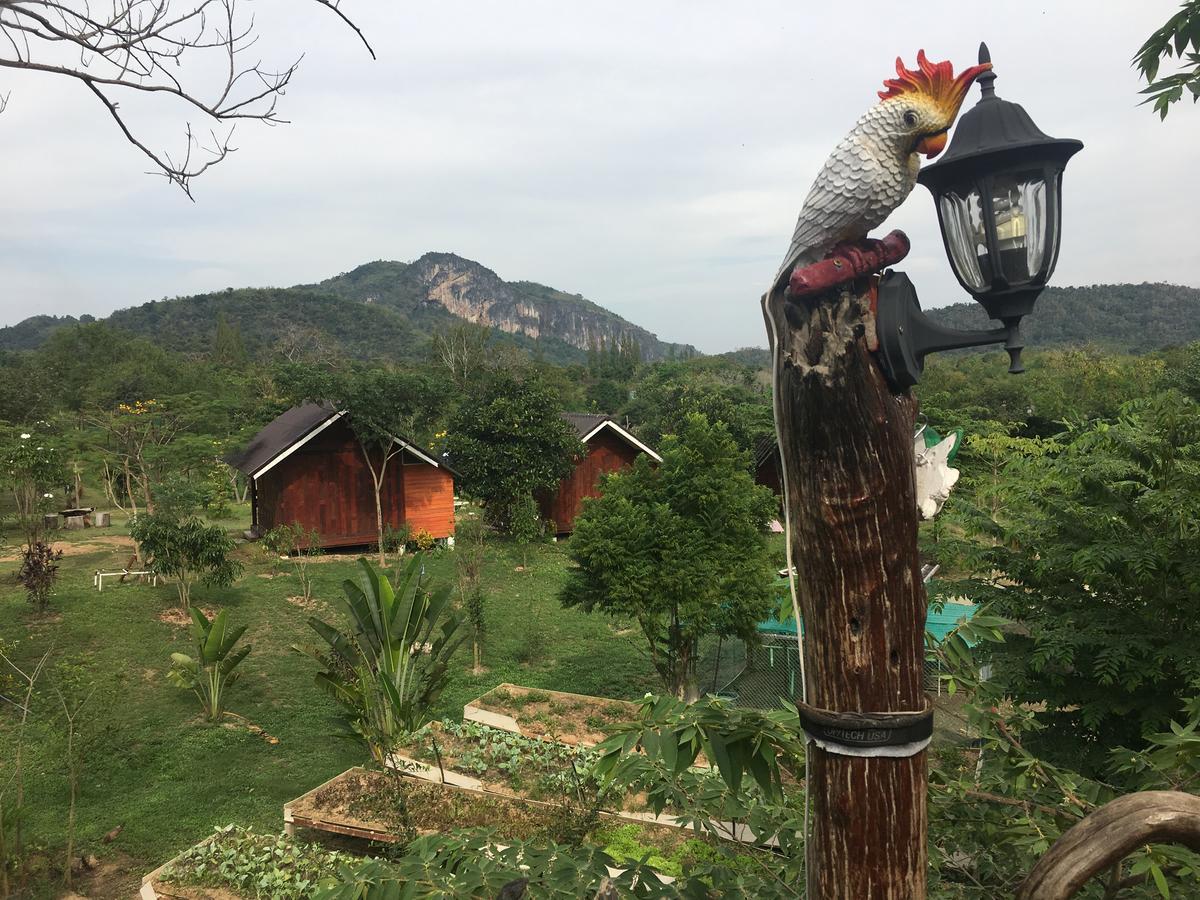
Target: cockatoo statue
874 168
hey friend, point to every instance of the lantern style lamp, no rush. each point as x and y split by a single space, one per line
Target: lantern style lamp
998 192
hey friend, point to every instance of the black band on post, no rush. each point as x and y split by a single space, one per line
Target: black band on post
865 730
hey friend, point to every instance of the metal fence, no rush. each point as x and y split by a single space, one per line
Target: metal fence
761 674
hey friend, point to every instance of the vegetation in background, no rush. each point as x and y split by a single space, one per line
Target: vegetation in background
525 525
679 548
720 390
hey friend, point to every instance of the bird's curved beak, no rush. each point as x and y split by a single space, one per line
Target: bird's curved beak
932 144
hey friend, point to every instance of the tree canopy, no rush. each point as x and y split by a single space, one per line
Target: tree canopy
507 440
679 547
1092 545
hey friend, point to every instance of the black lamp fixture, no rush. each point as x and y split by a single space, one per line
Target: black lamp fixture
998 192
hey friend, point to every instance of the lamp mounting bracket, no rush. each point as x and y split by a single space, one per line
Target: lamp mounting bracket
906 335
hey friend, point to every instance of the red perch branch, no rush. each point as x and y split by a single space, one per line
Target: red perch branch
847 263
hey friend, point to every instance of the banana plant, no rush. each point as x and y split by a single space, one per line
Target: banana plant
211 672
388 668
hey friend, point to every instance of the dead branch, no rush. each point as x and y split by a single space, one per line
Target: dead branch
140 46
1108 835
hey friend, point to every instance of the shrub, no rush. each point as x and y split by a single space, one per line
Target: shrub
38 572
211 672
186 550
423 540
388 668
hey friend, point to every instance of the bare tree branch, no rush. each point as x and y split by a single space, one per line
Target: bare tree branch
140 45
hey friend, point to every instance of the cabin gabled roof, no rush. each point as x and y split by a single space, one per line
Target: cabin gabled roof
291 430
766 448
588 425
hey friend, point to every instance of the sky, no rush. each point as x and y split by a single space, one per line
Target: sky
649 156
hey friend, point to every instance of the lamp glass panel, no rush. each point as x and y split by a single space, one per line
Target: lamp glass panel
1020 212
962 224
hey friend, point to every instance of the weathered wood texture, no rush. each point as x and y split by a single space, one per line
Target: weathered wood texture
846 449
606 452
326 486
1108 835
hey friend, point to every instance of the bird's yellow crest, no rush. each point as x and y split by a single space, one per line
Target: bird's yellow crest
935 80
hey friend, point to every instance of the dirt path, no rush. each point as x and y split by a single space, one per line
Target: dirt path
90 544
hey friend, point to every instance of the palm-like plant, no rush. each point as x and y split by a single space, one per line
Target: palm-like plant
211 672
389 667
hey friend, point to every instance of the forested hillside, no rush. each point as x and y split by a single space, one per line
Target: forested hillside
378 311
1132 318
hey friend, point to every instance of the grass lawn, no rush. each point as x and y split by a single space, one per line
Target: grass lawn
152 766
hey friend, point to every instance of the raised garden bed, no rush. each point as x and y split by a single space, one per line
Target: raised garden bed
489 760
574 719
240 864
356 804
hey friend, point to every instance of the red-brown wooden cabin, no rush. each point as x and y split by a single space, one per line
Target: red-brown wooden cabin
609 448
307 468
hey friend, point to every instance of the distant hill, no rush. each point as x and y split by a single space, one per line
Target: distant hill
1134 318
1131 318
380 310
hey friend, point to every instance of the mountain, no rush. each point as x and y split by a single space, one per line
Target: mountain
1134 318
380 310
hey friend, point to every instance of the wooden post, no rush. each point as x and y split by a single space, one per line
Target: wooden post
846 443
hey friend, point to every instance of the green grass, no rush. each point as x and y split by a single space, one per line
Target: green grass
152 764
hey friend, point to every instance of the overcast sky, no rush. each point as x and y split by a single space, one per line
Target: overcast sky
650 156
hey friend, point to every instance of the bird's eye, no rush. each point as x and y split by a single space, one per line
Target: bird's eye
910 118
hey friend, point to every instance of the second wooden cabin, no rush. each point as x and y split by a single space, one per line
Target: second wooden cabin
306 468
609 449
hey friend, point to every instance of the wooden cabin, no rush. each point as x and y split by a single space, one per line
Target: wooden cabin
307 468
767 470
609 448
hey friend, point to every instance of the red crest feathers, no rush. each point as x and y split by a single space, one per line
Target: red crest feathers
935 80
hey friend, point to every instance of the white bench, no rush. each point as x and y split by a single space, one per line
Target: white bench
98 578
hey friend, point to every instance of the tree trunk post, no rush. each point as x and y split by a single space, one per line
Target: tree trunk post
846 445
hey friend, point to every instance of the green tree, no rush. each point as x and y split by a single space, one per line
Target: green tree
719 390
526 525
228 347
34 472
678 547
469 554
187 551
509 441
1172 39
1094 554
